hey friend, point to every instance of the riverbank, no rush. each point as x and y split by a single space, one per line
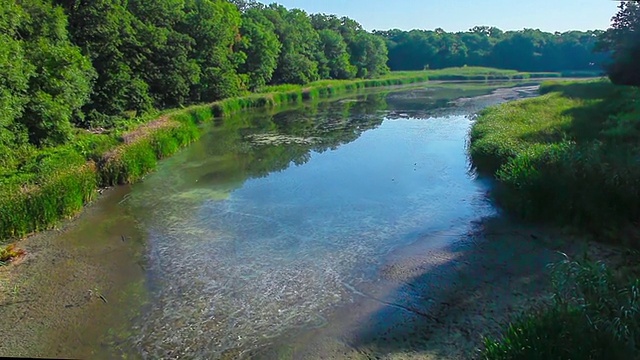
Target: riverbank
52 184
574 150
89 271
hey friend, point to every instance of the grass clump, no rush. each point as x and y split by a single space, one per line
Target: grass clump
594 315
568 156
10 252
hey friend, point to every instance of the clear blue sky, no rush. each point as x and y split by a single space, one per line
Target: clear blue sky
459 15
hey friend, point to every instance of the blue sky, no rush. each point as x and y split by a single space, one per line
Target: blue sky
459 15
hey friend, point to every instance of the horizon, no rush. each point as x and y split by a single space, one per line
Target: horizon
545 15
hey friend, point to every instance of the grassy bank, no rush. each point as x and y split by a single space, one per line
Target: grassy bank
569 156
48 184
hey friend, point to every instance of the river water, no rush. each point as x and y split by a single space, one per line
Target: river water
268 233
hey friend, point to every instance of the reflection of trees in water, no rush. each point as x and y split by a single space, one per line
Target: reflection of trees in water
229 154
326 125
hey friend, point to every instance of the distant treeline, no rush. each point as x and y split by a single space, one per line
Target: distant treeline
525 50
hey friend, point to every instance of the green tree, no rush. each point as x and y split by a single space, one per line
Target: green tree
261 46
214 25
62 78
162 55
300 45
336 65
15 72
103 29
622 41
369 54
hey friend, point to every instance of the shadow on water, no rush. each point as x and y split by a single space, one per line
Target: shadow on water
457 295
435 302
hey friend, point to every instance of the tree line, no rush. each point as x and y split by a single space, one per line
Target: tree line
524 50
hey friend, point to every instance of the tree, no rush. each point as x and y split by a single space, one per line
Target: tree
15 72
336 65
162 55
215 26
622 41
103 30
61 81
525 50
297 63
370 55
261 47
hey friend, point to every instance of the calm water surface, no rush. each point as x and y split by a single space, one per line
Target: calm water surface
271 222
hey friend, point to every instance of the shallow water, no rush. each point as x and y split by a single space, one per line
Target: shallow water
273 222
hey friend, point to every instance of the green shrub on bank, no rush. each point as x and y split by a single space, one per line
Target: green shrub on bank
128 163
593 316
569 156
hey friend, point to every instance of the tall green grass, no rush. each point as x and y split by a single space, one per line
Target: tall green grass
594 315
569 156
34 207
128 163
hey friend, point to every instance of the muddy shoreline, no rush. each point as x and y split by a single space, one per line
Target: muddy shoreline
51 300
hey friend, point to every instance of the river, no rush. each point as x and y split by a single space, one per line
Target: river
276 235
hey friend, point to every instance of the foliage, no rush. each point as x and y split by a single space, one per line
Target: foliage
51 81
524 50
104 30
214 25
622 40
335 64
594 315
300 45
261 47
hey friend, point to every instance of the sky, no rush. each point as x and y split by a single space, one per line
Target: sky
461 15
